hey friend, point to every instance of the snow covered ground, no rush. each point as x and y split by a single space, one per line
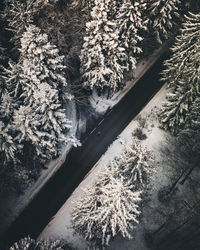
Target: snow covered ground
60 227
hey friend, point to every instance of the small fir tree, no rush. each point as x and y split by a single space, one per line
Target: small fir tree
130 23
102 57
135 163
182 75
163 15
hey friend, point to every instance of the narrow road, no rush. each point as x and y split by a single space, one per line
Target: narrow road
80 160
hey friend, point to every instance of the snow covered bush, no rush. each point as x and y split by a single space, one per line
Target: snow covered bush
130 23
30 244
106 209
163 15
102 57
182 76
135 163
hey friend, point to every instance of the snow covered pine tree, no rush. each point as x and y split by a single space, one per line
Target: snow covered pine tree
107 208
41 119
134 165
162 15
182 76
130 22
102 57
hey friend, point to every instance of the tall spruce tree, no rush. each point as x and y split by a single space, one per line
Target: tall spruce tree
182 74
102 57
130 19
40 118
163 15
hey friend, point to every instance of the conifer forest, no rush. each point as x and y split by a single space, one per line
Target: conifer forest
64 68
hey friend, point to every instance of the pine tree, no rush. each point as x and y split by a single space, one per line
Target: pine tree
182 75
135 164
163 15
130 24
40 118
102 57
109 207
43 123
41 62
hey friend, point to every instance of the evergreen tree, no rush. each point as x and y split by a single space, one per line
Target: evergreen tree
130 24
109 207
135 163
41 63
163 14
102 57
182 76
40 118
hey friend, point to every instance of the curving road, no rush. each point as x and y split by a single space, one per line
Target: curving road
81 160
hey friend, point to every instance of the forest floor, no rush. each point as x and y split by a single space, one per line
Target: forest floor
168 165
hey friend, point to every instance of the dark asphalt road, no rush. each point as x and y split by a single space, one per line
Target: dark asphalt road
80 160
